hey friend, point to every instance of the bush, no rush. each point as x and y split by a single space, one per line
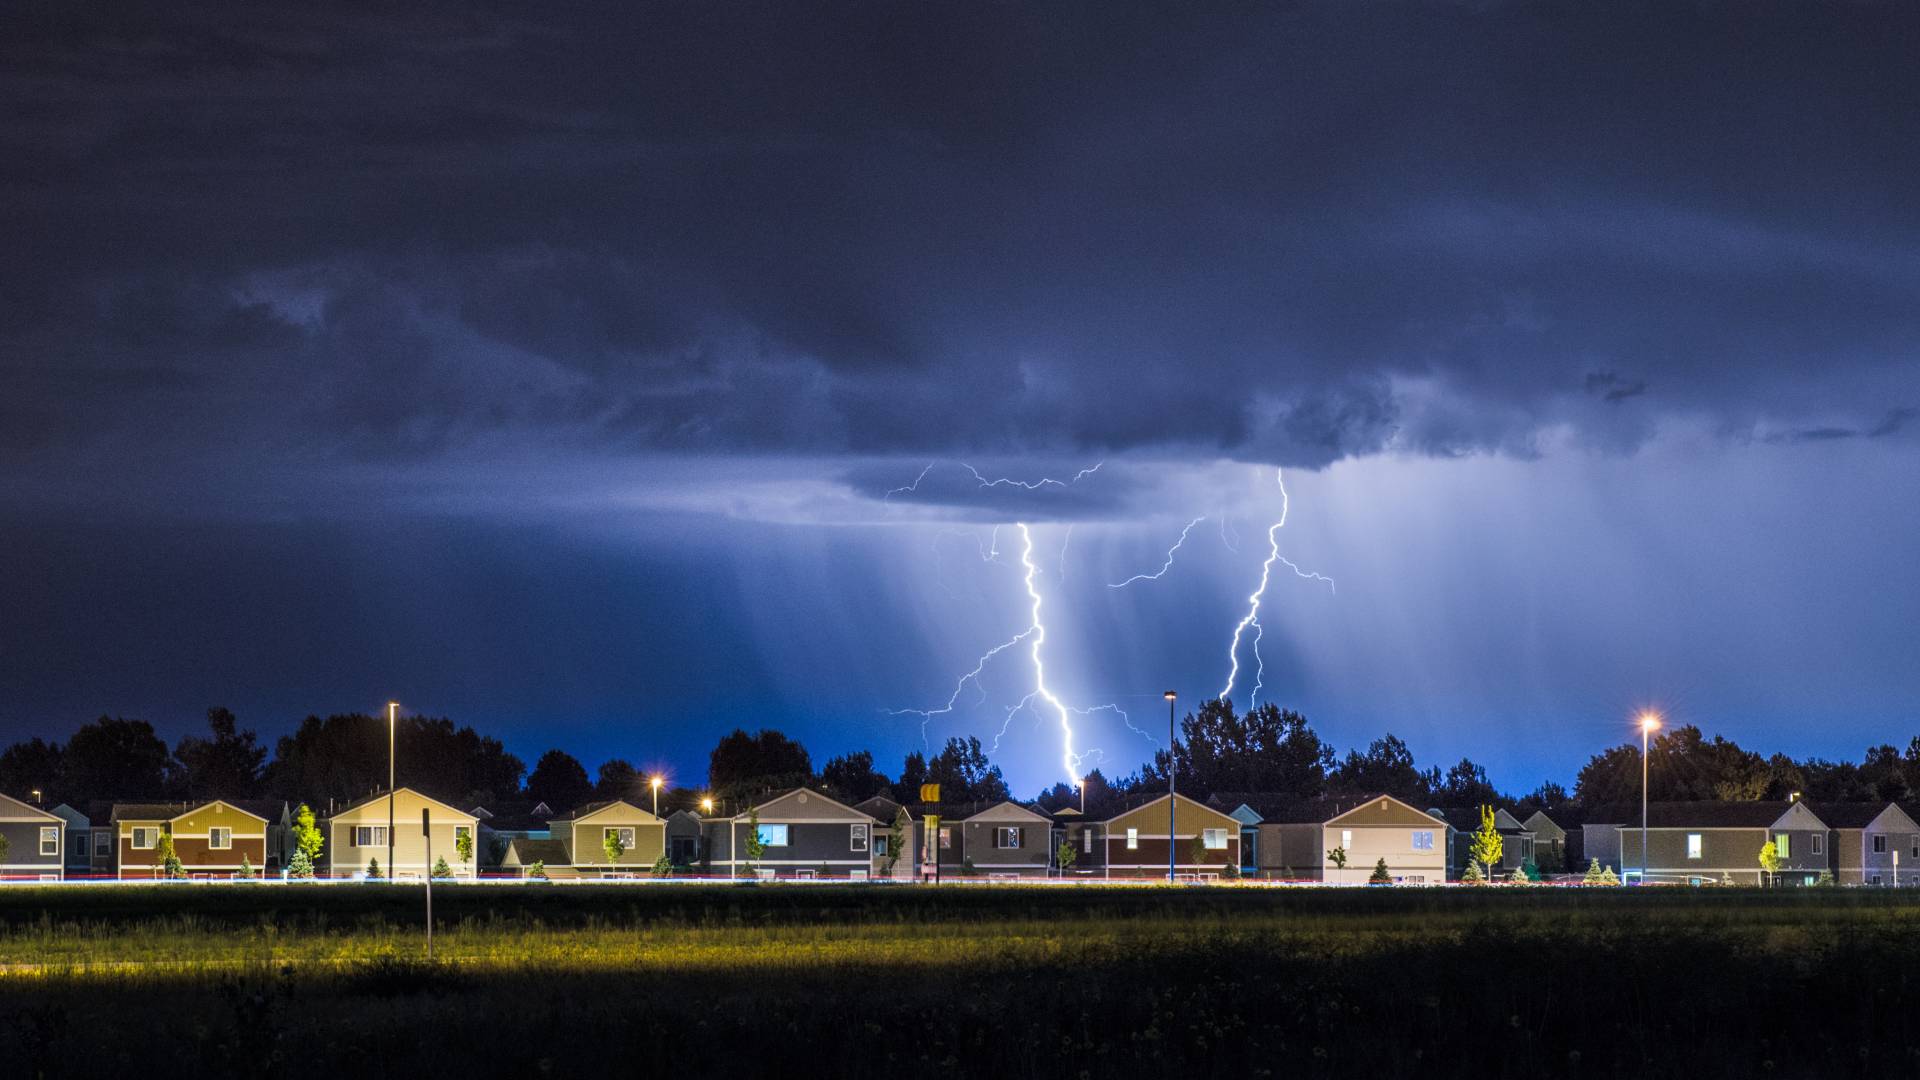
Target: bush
245 873
300 867
538 871
373 868
1593 874
441 869
1472 875
1380 875
1826 878
1608 877
663 866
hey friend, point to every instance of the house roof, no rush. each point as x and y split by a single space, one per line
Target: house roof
515 815
34 812
1278 809
880 807
1848 815
1702 814
811 792
524 852
379 796
268 809
1467 818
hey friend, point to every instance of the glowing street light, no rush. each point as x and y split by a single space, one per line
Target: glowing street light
655 784
1648 721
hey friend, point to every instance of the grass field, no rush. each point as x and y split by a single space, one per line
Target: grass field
829 981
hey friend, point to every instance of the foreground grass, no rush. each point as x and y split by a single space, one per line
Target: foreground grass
1006 982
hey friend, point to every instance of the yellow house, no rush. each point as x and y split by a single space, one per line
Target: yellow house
358 834
584 834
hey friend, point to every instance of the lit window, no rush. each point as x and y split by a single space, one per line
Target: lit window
1783 846
880 846
1006 838
1133 839
50 840
144 837
219 838
1880 845
857 838
1086 838
773 835
1423 840
946 838
624 832
1693 845
1346 839
1214 839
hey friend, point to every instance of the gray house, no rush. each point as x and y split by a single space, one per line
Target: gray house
79 840
804 834
1873 843
1516 840
1711 841
36 842
1550 848
990 839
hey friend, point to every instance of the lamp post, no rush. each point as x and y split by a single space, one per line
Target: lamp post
393 719
1172 846
706 811
1648 722
655 784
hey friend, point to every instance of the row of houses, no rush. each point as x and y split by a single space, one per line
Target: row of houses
806 833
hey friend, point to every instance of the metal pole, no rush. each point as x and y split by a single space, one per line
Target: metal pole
393 712
1644 729
1172 767
426 832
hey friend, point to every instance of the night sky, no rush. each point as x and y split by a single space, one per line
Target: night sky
555 368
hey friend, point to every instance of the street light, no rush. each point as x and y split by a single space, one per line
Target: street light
1648 721
655 783
1171 846
393 719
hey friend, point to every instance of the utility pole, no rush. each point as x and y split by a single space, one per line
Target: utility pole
1173 846
393 718
426 832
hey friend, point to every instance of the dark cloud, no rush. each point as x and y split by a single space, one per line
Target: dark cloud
1293 236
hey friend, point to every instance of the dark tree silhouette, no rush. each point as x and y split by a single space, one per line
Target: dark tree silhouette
228 765
113 758
744 765
559 780
853 777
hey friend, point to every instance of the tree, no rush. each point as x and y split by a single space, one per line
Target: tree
307 838
756 847
345 756
113 758
1068 855
1338 856
663 866
559 780
373 868
6 845
1520 876
613 846
1197 851
441 869
618 780
1387 767
538 871
1472 875
167 858
1608 877
1825 879
35 765
228 765
300 867
896 844
463 845
1769 861
1465 784
913 773
743 765
1380 875
964 774
1593 873
853 777
1486 847
1266 749
245 873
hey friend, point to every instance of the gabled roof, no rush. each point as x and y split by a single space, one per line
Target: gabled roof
879 807
381 796
812 793
19 808
264 809
1277 809
1850 815
1701 814
524 852
514 815
1467 818
1134 803
967 810
581 813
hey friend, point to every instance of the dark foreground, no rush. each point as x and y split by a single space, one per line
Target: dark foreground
997 982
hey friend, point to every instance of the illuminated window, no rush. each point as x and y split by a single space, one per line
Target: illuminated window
946 838
1086 838
773 835
1346 839
1783 846
50 841
624 832
1693 845
219 838
857 838
1133 839
1423 840
1214 839
1005 838
880 846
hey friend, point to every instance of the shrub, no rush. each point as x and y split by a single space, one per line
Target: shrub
538 871
663 866
1826 878
245 873
441 869
373 868
300 867
1608 877
1380 875
1593 873
1471 875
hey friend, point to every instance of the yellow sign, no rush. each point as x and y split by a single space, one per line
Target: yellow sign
929 792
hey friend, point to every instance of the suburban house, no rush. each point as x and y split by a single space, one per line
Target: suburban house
357 834
1516 840
1296 840
993 839
215 839
1708 841
1205 840
805 834
36 841
1873 843
1073 828
1551 852
891 814
501 822
584 832
683 838
79 839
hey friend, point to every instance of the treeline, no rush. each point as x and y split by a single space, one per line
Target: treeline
1267 749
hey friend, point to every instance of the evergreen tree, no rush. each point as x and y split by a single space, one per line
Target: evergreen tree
1593 873
300 867
373 868
663 866
756 847
441 869
245 873
1472 875
1608 877
168 859
1380 875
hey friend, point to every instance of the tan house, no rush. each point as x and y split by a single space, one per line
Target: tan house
358 834
1206 841
1292 840
576 845
211 840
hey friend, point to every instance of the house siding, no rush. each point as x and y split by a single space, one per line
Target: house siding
587 840
1150 858
23 849
345 859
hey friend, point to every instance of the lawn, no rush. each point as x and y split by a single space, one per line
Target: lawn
831 981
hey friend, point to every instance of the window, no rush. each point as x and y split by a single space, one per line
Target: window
773 835
462 830
369 836
144 837
624 832
1086 838
946 838
1133 839
50 840
1214 839
1423 839
1346 839
1783 846
219 838
880 846
102 843
1004 838
1875 880
1693 845
857 838
1880 845
1818 844
1916 847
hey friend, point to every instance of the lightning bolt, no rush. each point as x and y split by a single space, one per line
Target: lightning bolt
907 489
960 686
1252 617
1031 485
1038 632
1165 566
